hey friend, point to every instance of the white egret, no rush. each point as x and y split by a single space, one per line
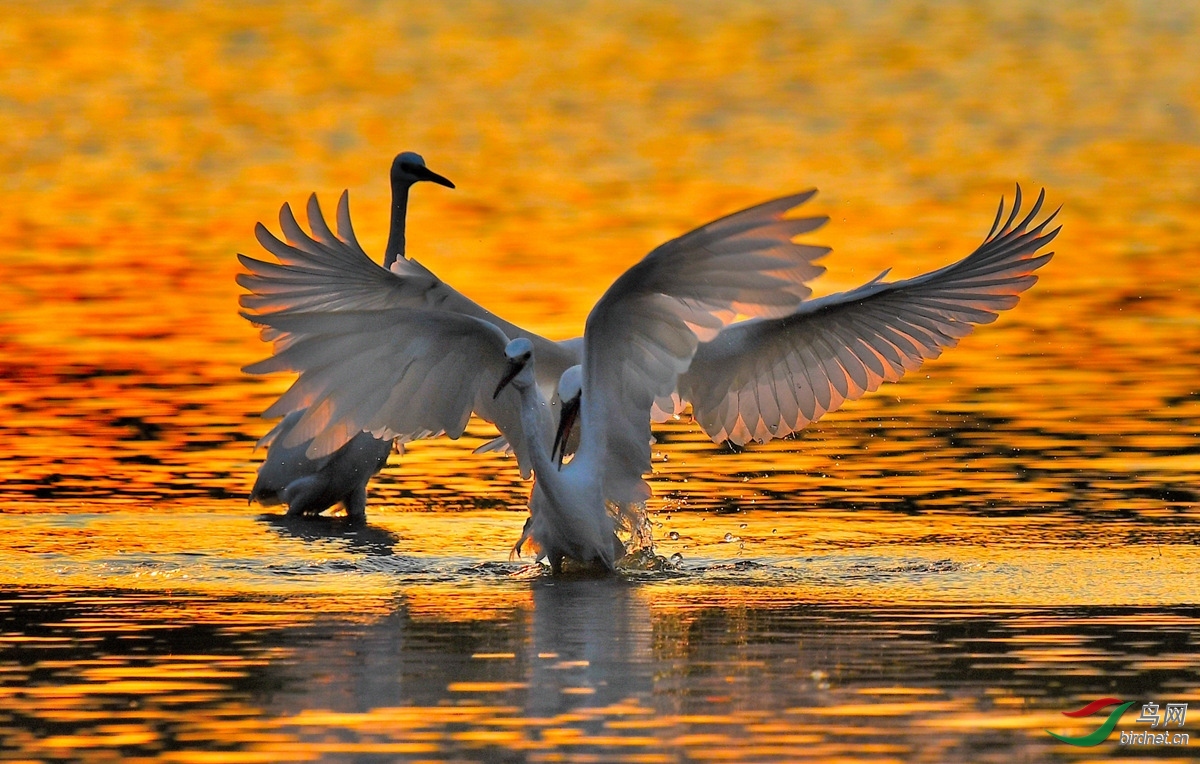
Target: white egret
759 379
369 361
310 486
768 378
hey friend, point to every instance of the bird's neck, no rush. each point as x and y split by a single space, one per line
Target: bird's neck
539 432
568 507
395 244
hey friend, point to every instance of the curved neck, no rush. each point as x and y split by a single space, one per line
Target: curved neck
539 432
395 244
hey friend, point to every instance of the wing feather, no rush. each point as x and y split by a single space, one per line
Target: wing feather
398 372
328 272
345 229
842 346
643 332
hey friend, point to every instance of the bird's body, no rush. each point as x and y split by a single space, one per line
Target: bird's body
567 515
399 353
310 486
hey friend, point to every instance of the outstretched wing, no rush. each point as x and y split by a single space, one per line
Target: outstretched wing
768 378
399 372
643 332
327 272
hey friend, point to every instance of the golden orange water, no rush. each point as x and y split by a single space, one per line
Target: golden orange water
934 573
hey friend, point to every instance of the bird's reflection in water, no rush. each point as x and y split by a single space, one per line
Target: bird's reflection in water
353 537
586 636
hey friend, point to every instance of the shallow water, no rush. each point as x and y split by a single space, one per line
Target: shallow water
934 573
346 649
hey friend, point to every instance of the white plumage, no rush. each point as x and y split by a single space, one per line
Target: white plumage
766 379
323 279
399 353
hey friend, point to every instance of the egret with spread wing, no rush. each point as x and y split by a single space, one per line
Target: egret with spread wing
310 486
758 379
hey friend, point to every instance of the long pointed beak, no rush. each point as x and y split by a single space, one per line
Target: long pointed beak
566 420
424 173
514 368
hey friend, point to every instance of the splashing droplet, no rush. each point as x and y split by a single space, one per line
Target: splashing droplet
673 535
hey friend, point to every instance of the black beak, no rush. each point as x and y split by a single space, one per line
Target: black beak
424 173
566 420
514 368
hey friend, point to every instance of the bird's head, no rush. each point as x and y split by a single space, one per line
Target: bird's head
570 392
409 168
519 353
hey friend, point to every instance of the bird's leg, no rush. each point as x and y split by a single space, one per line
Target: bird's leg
526 535
356 504
556 561
301 495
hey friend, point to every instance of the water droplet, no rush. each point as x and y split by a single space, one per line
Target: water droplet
728 538
677 557
743 525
